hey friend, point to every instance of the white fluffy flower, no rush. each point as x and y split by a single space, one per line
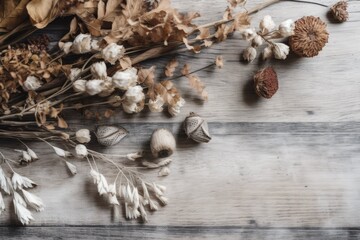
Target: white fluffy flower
112 52
94 87
156 105
32 83
34 201
67 47
98 70
23 214
286 28
175 110
249 54
82 43
267 53
248 34
81 151
132 107
95 45
257 41
281 50
79 86
107 88
83 135
125 79
19 181
267 24
134 94
74 73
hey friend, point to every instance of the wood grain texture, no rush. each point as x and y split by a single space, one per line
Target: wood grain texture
285 168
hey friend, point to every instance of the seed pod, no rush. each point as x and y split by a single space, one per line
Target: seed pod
197 128
110 135
162 143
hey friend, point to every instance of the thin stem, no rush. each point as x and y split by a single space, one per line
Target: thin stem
6 161
197 70
309 2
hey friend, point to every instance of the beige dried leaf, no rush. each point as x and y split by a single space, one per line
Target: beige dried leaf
42 12
125 62
101 9
195 48
147 76
204 33
170 67
12 14
62 123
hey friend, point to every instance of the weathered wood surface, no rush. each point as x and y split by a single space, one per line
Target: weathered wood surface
285 168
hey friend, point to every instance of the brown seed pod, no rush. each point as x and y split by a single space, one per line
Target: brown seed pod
197 128
310 36
266 82
339 11
110 135
162 143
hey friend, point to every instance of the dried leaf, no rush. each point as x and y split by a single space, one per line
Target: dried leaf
42 12
196 48
170 68
147 76
11 16
204 33
101 9
125 62
62 123
195 82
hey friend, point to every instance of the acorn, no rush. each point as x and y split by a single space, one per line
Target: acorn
197 128
162 143
110 135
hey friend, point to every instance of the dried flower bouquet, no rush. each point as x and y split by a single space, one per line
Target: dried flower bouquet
97 64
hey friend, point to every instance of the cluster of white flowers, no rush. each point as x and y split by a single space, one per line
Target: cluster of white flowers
134 99
32 83
266 34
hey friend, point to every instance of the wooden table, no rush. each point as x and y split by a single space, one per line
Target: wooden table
285 168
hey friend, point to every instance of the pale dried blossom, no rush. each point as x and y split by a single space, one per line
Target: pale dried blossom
23 214
132 201
94 87
112 195
123 80
83 135
156 105
2 204
133 98
80 86
100 182
267 24
165 171
72 168
249 54
74 73
280 50
267 53
61 152
113 52
257 41
32 154
286 28
3 182
134 156
98 70
32 83
19 182
25 156
174 110
107 88
34 201
161 163
248 34
81 151
82 43
66 47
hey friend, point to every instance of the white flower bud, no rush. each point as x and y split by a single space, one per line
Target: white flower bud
134 94
67 47
112 52
74 73
83 135
94 87
248 34
249 54
286 28
81 151
125 79
257 41
82 43
157 104
131 107
26 156
175 110
98 70
79 86
281 50
267 24
267 53
32 83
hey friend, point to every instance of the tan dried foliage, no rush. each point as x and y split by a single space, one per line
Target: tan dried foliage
171 67
195 82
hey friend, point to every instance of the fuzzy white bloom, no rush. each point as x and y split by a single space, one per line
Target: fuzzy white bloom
113 52
79 86
134 156
61 152
81 151
95 45
248 34
156 105
83 135
3 182
2 204
72 168
100 181
23 214
94 87
74 73
32 83
125 79
175 109
132 202
82 43
67 47
19 181
249 54
286 28
98 70
32 154
281 50
131 108
108 88
34 201
134 94
267 53
267 24
257 41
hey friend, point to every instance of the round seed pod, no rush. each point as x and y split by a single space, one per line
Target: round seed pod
110 135
197 128
162 143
